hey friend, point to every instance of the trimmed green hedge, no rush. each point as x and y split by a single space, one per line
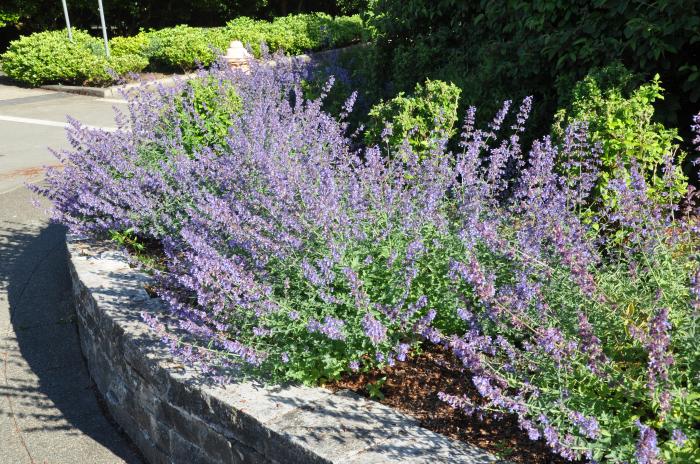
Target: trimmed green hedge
48 57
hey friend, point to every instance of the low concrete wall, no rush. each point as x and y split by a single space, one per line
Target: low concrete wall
174 416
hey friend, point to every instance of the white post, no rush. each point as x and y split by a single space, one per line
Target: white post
237 56
65 12
104 28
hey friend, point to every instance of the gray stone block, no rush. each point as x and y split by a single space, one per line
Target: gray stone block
174 416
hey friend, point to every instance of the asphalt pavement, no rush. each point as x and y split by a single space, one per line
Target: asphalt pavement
49 410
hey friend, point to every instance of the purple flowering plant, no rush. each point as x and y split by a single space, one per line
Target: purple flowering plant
287 250
575 332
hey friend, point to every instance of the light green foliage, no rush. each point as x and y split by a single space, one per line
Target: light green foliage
139 44
184 47
118 66
205 112
431 110
297 34
623 125
48 57
200 116
251 32
345 30
8 18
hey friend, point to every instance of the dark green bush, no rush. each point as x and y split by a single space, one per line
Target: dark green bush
512 48
48 57
353 70
352 6
430 110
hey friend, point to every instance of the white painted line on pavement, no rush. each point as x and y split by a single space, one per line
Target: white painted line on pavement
45 122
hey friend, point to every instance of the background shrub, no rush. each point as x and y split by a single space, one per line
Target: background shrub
139 44
49 57
185 47
297 34
23 17
429 111
118 66
515 48
252 33
622 123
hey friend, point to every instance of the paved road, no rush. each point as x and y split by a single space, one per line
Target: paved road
49 412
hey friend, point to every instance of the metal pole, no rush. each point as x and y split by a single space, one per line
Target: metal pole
104 28
65 12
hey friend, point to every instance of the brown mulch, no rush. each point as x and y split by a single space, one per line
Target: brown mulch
412 386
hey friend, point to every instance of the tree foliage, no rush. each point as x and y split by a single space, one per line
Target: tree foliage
517 47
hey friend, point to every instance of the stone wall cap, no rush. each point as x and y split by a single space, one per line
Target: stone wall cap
298 423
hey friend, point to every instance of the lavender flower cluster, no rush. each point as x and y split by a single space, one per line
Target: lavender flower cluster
287 250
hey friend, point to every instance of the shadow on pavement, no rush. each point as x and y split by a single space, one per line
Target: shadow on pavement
34 272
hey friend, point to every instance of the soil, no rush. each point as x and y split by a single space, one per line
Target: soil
412 386
27 172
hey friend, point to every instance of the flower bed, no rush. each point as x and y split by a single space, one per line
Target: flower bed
281 249
175 415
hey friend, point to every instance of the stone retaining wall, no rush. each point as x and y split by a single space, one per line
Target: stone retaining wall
173 416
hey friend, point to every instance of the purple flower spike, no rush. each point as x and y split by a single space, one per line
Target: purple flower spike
374 329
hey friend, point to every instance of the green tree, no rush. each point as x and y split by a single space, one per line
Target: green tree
500 49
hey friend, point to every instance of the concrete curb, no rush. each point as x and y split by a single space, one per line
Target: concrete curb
116 91
174 416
